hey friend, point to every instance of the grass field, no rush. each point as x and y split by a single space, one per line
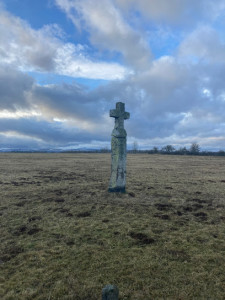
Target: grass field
63 236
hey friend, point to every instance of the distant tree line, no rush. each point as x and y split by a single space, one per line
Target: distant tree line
194 149
170 149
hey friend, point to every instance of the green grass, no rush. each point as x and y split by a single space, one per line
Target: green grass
63 236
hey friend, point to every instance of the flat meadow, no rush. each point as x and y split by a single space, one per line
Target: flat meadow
63 236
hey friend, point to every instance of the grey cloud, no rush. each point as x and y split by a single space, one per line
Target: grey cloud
155 8
16 141
52 133
14 86
166 87
214 81
166 101
160 126
72 102
182 12
201 125
203 43
170 99
67 100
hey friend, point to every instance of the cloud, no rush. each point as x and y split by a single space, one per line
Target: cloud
70 61
43 51
173 99
165 87
170 102
24 47
156 9
43 132
185 12
177 98
70 101
14 88
203 44
13 141
108 29
65 107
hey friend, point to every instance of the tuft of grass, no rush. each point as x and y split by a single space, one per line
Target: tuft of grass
63 236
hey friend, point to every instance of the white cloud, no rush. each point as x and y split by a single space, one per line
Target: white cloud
71 62
40 50
108 29
24 47
6 114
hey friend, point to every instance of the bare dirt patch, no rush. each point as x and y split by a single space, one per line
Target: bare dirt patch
141 238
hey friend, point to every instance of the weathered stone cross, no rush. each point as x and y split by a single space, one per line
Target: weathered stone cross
119 149
119 114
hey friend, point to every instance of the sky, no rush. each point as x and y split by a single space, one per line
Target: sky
65 63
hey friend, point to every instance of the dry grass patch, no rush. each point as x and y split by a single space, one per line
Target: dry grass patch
63 236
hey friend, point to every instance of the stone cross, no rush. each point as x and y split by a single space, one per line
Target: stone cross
119 149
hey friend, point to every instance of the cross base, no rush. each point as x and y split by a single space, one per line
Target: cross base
117 190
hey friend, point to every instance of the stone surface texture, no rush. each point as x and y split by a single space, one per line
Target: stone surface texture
119 149
110 292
